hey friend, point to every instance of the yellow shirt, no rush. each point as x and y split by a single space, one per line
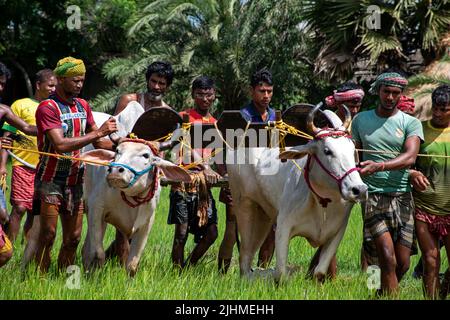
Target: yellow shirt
26 109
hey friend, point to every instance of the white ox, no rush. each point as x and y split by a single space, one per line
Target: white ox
263 196
125 196
125 122
106 193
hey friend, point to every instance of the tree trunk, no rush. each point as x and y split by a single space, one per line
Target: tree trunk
25 76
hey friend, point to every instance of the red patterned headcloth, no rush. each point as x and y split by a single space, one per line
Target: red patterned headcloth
406 104
339 97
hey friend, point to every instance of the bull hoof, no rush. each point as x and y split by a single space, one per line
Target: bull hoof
320 277
132 267
132 271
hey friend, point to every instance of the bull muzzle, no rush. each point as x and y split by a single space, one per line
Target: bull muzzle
358 193
117 178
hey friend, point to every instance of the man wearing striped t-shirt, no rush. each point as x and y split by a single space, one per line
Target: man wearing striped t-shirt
431 183
65 125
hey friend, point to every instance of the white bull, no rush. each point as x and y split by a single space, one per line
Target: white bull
266 191
125 196
125 122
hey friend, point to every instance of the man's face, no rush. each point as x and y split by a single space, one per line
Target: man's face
204 98
72 85
262 94
389 97
353 105
156 86
2 83
441 115
47 87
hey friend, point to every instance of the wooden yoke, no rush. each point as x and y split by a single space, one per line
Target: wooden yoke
280 137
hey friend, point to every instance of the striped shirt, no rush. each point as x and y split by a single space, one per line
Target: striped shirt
435 198
74 118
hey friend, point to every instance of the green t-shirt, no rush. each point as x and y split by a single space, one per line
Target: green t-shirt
385 134
435 199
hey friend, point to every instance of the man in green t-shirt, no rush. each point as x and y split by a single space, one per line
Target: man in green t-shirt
431 183
388 211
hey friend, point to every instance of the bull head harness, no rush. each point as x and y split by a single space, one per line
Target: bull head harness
137 174
333 134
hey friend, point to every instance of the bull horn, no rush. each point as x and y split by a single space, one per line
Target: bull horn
310 120
348 117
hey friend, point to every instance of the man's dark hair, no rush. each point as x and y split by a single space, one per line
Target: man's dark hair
349 85
203 82
4 71
44 74
162 69
441 95
261 76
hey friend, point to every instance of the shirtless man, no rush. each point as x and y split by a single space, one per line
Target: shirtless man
159 76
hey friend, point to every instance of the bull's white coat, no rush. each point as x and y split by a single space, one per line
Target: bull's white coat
104 203
266 191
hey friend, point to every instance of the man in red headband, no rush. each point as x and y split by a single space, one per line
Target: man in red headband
349 94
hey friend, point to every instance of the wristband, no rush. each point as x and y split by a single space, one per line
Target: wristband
384 164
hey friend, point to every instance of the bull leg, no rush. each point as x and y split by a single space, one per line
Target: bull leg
93 252
253 226
32 238
332 269
282 238
138 242
328 251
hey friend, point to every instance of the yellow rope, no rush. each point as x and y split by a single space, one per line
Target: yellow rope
297 165
398 153
285 129
3 184
56 155
221 136
165 138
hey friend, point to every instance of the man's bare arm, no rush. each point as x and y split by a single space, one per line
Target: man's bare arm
62 144
101 143
403 161
4 156
17 122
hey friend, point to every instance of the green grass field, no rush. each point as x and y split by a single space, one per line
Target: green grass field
157 280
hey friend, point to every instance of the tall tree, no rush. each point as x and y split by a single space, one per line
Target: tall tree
35 34
384 31
225 39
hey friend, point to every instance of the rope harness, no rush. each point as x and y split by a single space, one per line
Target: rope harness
137 201
327 134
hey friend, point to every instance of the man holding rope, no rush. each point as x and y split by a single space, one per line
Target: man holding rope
431 183
24 164
7 115
65 125
192 206
388 211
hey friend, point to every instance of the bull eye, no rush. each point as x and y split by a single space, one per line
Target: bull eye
327 152
146 155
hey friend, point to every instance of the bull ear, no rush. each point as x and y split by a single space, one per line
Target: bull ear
172 171
98 155
297 153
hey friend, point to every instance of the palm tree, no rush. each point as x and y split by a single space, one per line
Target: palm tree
225 39
344 36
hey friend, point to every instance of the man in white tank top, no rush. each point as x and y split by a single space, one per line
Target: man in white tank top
159 77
